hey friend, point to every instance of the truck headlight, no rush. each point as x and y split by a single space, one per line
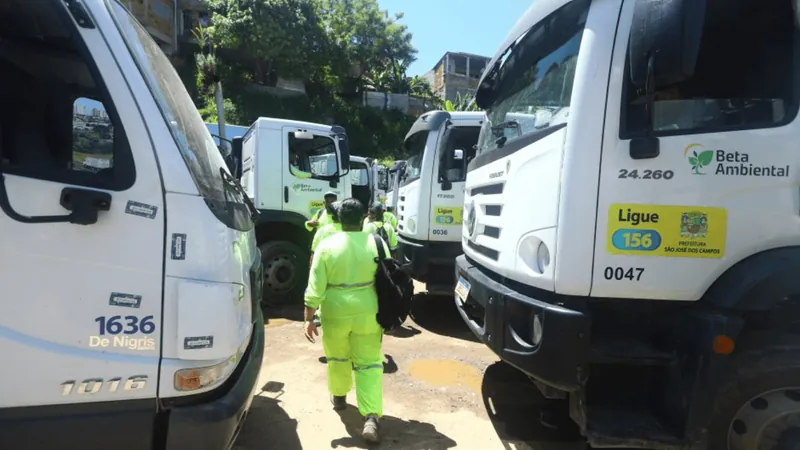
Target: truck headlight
542 257
196 378
536 334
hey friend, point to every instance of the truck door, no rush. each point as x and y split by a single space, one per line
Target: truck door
726 168
447 190
310 169
82 243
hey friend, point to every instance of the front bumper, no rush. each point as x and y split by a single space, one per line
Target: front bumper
430 262
503 320
216 424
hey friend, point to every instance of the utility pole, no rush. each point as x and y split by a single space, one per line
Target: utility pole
208 48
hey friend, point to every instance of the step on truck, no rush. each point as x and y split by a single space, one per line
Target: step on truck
129 269
287 167
631 236
431 194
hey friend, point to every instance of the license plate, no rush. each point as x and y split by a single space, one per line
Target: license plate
462 289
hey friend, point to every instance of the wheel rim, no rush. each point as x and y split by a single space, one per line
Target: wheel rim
769 421
280 274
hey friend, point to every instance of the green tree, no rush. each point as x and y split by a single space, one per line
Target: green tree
465 103
283 37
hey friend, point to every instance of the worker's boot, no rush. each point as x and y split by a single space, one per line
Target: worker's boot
370 433
339 402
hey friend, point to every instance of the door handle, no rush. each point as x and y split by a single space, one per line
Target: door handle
286 194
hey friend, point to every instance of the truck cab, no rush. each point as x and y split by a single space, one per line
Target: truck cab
128 261
630 235
366 181
287 167
430 194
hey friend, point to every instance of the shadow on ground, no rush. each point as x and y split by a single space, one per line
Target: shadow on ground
396 433
514 406
268 427
438 314
279 315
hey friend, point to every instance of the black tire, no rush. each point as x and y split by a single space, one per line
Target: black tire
753 373
285 273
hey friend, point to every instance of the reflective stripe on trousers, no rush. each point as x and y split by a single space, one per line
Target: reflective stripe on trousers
353 347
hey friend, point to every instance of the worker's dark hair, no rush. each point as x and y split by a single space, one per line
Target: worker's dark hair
351 213
333 211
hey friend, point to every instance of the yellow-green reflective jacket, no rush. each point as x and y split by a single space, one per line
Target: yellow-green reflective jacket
342 275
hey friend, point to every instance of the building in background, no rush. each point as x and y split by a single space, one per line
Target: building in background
170 22
456 73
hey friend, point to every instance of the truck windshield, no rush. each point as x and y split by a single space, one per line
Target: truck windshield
532 85
195 143
415 149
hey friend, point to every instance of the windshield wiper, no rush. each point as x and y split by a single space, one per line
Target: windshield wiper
232 182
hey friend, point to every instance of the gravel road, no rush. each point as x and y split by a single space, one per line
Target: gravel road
442 390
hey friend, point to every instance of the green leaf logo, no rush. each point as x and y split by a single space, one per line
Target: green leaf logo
701 160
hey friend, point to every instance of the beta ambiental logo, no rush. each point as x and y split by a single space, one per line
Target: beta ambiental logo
735 163
698 160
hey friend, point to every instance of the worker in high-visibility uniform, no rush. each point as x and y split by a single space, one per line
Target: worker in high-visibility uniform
332 212
321 217
375 221
386 217
342 280
294 168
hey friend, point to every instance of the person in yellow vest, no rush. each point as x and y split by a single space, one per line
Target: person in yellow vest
386 217
321 217
342 280
294 168
374 223
332 212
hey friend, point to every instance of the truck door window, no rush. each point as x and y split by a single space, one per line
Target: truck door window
358 174
532 86
463 138
741 80
57 122
316 157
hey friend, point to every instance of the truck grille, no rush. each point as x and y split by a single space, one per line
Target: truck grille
488 200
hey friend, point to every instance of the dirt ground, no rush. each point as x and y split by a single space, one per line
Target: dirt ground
442 389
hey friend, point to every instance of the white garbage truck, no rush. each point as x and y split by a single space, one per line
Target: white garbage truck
431 194
129 270
287 167
634 249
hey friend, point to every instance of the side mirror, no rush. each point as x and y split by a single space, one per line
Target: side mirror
670 31
344 153
446 159
302 134
235 160
662 51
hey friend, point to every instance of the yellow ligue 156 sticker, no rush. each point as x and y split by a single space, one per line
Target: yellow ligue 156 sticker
447 215
315 206
666 230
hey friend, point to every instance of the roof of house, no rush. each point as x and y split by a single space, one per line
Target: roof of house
469 55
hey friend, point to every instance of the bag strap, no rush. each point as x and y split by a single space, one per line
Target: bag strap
379 246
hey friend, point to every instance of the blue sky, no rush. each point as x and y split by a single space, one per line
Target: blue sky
470 26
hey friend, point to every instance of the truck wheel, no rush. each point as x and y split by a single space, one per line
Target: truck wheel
285 273
758 408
